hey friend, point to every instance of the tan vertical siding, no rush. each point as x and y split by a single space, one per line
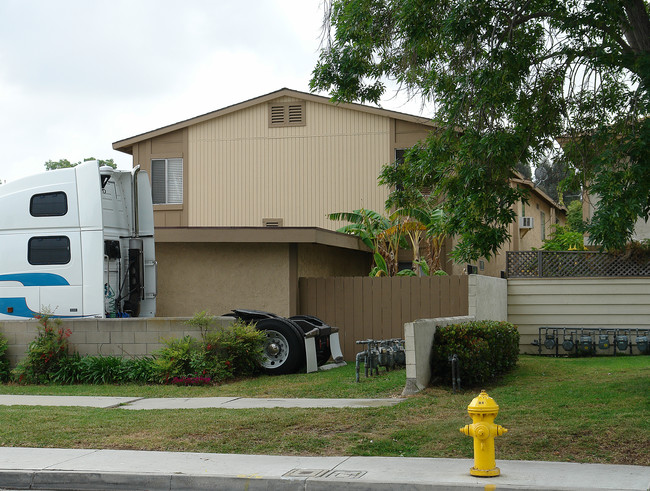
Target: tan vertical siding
616 303
244 171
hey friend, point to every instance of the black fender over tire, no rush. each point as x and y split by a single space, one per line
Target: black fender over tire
284 347
307 323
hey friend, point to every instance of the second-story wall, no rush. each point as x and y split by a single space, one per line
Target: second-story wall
242 171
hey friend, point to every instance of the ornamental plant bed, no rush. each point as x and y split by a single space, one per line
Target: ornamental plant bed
577 410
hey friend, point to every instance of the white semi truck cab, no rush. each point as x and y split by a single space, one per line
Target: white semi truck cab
78 243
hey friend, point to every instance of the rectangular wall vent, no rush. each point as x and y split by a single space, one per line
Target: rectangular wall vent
287 114
272 222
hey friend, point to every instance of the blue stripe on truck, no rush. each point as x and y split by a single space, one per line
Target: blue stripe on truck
36 279
18 305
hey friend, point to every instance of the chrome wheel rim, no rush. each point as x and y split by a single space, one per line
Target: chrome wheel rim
276 349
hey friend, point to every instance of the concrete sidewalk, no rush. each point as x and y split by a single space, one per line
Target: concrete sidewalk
39 468
135 403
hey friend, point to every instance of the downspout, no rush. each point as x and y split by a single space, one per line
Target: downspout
134 186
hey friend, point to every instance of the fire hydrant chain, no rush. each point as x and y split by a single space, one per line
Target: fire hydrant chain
483 410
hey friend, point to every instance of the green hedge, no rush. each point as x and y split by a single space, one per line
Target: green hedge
485 350
220 354
4 360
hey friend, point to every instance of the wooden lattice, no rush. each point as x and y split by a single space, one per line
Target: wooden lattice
551 264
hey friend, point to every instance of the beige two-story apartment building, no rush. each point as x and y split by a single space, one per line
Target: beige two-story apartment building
241 197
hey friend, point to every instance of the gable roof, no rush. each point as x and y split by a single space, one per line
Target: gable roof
126 144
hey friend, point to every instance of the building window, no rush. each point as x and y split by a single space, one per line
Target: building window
48 250
542 227
167 181
287 114
399 160
49 204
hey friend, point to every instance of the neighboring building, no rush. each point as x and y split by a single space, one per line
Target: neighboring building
534 223
241 198
589 206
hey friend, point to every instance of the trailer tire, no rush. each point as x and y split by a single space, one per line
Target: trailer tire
284 348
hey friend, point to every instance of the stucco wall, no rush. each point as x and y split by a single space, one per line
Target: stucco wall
218 277
320 261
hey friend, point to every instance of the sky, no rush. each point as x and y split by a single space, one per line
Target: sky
78 75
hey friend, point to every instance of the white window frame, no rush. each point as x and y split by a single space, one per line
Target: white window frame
176 196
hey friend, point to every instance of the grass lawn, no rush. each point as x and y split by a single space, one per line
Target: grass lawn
578 410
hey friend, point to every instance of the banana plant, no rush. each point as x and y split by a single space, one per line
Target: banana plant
374 230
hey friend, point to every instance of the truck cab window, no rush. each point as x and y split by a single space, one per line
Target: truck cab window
49 204
48 250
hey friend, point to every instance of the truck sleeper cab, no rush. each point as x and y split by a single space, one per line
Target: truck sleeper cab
77 243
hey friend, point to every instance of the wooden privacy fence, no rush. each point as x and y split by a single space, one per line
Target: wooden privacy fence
378 308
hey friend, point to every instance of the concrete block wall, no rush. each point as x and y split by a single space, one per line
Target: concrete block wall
487 298
418 337
118 337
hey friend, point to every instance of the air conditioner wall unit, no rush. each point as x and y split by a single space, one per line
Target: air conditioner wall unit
526 222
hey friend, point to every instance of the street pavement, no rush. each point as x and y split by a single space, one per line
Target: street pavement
92 469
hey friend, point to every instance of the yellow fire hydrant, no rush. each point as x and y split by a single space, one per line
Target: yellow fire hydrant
483 410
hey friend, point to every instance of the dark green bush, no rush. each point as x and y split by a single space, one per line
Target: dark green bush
76 369
238 347
221 354
139 370
4 360
485 350
217 356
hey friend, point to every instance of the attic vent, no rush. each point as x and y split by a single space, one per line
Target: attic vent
287 114
277 115
272 222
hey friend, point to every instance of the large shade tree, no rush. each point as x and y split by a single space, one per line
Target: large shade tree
508 81
65 163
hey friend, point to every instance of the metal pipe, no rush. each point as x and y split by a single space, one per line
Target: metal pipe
134 186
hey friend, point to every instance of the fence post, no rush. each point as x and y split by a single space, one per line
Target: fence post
539 264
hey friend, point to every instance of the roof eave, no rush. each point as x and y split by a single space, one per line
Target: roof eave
126 145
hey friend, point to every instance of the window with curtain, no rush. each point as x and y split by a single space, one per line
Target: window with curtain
167 181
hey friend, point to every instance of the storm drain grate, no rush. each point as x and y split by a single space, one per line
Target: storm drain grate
324 473
345 474
304 473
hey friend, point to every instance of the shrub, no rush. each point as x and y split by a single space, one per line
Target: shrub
68 371
139 370
75 369
203 320
221 354
45 353
179 358
485 350
4 360
238 347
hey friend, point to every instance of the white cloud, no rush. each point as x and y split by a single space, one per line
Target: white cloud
77 75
